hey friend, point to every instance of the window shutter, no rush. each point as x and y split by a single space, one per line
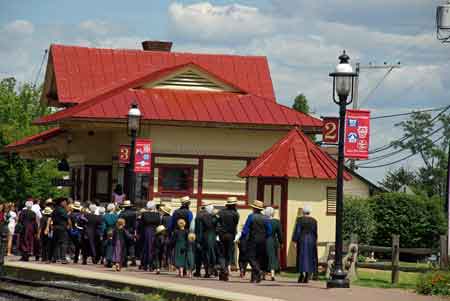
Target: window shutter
331 200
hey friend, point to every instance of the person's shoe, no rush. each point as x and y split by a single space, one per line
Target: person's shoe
37 258
272 278
133 263
84 262
197 274
300 278
64 261
305 280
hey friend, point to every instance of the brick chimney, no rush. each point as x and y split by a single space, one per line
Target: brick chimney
156 46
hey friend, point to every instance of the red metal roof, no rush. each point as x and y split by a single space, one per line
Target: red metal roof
294 156
182 105
35 139
80 71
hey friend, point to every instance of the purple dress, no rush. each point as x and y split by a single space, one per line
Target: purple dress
305 235
29 227
147 229
119 242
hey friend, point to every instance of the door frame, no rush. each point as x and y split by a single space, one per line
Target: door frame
90 176
283 209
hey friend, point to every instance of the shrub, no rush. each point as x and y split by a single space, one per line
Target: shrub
434 283
417 219
358 219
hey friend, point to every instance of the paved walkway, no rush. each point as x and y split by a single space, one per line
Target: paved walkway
235 289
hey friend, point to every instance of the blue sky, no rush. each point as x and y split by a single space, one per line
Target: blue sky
301 38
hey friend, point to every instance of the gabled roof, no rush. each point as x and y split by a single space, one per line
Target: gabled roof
79 72
180 105
35 139
294 156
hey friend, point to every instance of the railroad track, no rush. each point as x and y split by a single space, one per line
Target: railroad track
91 291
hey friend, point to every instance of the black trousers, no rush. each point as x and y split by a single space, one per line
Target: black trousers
227 241
256 256
76 241
60 240
46 248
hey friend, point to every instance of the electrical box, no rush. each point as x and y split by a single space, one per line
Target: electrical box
443 17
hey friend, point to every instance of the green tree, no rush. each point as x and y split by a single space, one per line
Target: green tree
358 219
418 219
423 133
19 178
301 104
395 179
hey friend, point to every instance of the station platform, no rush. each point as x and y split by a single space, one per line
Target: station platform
236 289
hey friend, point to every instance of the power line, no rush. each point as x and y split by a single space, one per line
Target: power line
385 156
399 160
40 67
389 145
364 101
408 113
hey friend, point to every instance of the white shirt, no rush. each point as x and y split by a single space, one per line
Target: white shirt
37 209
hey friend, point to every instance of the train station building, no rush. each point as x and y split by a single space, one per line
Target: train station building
216 129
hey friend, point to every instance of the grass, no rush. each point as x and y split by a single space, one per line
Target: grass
375 279
382 279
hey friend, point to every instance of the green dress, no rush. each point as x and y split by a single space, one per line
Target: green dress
273 244
180 243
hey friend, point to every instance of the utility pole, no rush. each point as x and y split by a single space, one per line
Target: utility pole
385 66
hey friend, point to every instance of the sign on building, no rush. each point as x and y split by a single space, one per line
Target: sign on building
330 130
124 154
143 156
357 134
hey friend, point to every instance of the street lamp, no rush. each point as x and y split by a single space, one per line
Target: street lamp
133 125
343 80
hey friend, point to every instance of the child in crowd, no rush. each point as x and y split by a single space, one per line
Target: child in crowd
108 248
119 240
160 248
190 258
46 234
180 244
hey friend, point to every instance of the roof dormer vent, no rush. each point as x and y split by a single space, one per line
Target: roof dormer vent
157 46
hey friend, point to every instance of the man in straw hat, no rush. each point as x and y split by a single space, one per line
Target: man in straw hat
229 220
182 213
45 237
129 214
75 231
256 230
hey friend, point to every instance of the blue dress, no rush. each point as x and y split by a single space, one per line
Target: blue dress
305 235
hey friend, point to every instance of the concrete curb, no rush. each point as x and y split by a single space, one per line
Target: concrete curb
127 280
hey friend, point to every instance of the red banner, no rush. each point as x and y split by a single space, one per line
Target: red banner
330 130
357 134
143 156
124 154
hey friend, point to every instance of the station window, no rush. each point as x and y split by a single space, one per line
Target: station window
175 179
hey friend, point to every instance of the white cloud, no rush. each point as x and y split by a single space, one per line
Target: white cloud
206 22
19 27
96 27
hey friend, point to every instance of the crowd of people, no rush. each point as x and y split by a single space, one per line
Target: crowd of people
155 238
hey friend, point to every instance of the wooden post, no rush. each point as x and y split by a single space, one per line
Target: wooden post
443 258
395 258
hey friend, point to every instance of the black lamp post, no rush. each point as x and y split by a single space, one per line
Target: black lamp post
343 79
133 125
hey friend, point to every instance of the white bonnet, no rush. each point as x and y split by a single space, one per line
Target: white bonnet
110 207
151 205
307 209
210 209
28 204
92 208
101 210
269 211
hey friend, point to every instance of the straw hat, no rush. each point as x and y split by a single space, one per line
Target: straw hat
49 201
232 200
185 200
191 237
47 211
160 229
166 209
126 203
76 205
257 205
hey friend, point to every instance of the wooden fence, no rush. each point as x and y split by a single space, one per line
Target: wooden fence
395 250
